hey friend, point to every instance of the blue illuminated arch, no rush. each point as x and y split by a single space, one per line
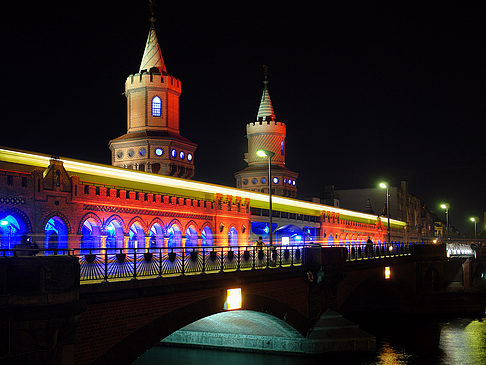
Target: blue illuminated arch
207 237
90 235
156 235
136 236
191 237
12 228
55 235
174 236
232 237
156 106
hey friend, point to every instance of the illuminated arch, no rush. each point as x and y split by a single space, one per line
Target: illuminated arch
136 234
119 220
174 235
88 216
12 228
207 236
156 233
55 234
232 237
191 237
90 234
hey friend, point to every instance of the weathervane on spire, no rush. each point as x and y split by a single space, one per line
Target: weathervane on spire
152 6
265 74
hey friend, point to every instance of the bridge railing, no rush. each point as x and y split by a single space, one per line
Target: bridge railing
122 263
376 251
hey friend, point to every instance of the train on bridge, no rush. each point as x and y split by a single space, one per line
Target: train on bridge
67 203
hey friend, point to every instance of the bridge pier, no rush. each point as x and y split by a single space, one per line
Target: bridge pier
39 299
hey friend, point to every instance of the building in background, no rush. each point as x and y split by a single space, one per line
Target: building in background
421 224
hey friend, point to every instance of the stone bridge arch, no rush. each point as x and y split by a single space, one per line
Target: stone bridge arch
127 349
367 290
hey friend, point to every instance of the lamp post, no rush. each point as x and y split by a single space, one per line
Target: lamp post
445 206
269 155
384 185
475 221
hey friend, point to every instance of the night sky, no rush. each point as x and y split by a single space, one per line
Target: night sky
367 93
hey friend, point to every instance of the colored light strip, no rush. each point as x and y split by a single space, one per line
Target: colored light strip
96 169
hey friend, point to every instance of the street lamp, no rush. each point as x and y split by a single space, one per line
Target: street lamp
475 220
384 185
445 206
269 154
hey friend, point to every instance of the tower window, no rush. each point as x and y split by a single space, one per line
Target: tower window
282 150
156 106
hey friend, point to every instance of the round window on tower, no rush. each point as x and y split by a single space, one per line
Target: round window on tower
131 153
159 151
189 157
119 154
142 151
173 153
275 180
245 181
181 155
263 180
254 180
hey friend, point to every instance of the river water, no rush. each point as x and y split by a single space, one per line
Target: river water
412 340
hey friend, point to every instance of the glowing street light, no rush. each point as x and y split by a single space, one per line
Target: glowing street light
384 185
445 206
475 221
269 155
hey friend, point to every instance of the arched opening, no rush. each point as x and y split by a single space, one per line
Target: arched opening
131 347
114 235
55 235
136 236
191 237
12 228
232 237
156 236
330 240
207 237
91 236
174 236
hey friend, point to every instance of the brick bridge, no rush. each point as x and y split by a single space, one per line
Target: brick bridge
52 316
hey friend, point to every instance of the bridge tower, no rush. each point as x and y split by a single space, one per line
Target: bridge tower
153 142
268 134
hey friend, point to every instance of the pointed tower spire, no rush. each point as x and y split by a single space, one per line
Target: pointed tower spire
152 55
266 109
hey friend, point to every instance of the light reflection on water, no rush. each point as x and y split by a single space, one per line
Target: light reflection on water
462 341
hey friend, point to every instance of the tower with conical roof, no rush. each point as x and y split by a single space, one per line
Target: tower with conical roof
268 134
153 142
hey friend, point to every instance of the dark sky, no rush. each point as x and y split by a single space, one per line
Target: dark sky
367 93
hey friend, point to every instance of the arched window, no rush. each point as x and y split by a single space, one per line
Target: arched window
282 148
207 237
232 237
156 106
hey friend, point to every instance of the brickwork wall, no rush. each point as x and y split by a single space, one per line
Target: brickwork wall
111 328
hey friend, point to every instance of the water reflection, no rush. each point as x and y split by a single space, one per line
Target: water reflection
456 341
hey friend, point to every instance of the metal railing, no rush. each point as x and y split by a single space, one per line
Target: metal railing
377 251
124 263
